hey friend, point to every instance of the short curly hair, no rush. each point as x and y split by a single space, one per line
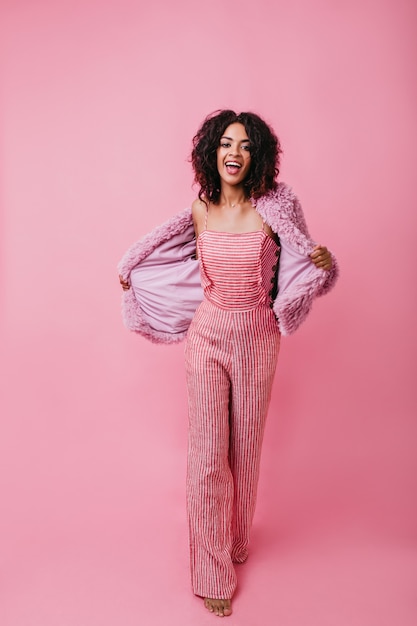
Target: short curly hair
265 150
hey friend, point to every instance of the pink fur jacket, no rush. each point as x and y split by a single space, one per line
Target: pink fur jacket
165 276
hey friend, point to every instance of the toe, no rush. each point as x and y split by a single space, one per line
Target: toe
227 607
221 608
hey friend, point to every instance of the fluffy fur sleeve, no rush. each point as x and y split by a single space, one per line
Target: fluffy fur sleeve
163 244
299 281
282 210
142 248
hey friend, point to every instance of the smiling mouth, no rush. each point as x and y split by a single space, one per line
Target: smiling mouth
232 167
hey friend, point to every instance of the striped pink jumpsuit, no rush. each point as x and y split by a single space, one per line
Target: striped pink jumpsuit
231 354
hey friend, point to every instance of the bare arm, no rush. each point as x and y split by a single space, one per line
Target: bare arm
198 210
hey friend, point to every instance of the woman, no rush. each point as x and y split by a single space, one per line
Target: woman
260 272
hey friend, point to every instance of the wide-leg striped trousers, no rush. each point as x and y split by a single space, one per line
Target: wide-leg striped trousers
230 364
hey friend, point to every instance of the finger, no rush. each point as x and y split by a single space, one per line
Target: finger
321 253
317 252
123 282
320 258
323 263
326 264
319 249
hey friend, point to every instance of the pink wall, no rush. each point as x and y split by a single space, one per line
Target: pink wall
100 101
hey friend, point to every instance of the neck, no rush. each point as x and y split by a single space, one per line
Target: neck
232 196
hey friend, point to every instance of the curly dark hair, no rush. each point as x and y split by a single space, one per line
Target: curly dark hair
265 150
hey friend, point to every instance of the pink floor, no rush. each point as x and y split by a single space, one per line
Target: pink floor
137 574
130 566
93 529
99 102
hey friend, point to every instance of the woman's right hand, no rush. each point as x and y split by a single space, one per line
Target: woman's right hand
124 283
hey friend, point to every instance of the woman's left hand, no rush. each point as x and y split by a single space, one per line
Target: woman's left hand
321 257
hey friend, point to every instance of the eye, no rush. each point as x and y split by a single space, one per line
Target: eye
247 148
225 144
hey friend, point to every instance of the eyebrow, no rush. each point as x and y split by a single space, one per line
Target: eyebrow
231 139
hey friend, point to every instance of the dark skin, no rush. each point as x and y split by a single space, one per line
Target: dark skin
234 213
320 257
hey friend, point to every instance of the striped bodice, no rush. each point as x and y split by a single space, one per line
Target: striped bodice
238 269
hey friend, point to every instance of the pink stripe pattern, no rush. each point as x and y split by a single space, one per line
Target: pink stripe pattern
237 268
231 355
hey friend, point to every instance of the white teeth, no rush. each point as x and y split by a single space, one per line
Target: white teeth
233 163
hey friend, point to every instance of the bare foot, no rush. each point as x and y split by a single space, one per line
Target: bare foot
222 608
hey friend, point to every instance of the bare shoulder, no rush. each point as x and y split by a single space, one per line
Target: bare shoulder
198 209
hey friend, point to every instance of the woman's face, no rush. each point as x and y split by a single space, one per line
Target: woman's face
233 154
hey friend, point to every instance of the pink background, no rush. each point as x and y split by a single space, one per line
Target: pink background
100 100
